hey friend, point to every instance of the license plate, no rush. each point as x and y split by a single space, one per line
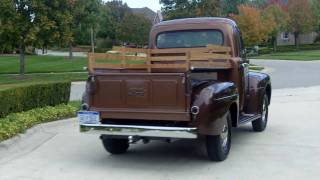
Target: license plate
88 117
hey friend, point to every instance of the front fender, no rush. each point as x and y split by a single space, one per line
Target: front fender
214 100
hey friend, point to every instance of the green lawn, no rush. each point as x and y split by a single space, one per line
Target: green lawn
42 64
298 55
8 81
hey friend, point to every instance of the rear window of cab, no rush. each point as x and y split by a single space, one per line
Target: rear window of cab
189 39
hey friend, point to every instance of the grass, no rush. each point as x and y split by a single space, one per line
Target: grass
254 67
298 55
42 64
9 81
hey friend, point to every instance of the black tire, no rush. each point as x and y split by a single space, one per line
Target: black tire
260 124
217 146
115 146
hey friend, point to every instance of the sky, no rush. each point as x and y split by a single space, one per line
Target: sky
152 4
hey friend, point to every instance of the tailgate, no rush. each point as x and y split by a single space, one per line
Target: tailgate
152 96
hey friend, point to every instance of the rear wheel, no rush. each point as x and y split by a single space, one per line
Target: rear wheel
260 124
218 146
115 146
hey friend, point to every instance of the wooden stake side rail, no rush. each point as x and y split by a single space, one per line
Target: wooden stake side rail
211 57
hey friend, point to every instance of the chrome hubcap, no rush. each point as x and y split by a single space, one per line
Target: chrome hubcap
225 137
264 112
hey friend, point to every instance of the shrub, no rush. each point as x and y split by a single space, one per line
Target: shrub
33 96
16 123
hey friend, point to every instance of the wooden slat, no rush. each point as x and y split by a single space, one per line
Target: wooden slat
90 62
120 66
206 56
215 48
107 66
214 65
188 60
118 57
215 57
149 61
168 58
136 66
168 66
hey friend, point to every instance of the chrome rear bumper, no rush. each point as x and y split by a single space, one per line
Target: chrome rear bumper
140 131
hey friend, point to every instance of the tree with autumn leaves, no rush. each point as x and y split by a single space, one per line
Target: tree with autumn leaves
255 26
301 18
260 25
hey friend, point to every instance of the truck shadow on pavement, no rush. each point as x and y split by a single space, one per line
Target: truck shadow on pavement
160 154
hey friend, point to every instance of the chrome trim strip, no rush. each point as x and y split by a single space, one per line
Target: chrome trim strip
226 97
141 131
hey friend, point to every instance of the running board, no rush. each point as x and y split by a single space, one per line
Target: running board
245 118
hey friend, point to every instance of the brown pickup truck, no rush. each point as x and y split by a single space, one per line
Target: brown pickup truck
193 81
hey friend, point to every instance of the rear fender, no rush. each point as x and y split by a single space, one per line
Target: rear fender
259 85
214 100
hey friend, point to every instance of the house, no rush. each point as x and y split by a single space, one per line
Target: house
154 17
286 38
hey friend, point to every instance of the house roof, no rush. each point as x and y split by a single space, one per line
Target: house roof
148 13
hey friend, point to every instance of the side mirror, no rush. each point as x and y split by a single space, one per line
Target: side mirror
243 53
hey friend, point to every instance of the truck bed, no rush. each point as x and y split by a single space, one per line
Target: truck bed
147 96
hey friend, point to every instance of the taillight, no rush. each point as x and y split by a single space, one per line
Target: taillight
91 84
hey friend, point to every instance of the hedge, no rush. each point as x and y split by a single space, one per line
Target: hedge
288 48
16 123
33 96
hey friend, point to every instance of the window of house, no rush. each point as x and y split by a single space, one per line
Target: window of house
285 36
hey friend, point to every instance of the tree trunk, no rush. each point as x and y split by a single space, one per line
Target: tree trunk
92 40
274 44
43 50
22 60
70 51
296 40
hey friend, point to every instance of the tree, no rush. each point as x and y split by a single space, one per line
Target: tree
280 17
21 20
231 6
53 20
301 19
254 26
8 36
112 14
134 29
281 3
315 4
84 16
33 23
176 9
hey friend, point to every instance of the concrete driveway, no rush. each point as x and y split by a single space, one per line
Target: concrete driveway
288 149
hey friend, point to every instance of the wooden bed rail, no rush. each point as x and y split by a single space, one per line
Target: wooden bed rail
210 57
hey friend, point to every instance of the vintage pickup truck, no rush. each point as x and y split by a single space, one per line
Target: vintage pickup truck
192 82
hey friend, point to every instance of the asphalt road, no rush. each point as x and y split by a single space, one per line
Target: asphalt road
288 149
289 74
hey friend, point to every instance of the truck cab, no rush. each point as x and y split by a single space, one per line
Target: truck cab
193 81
